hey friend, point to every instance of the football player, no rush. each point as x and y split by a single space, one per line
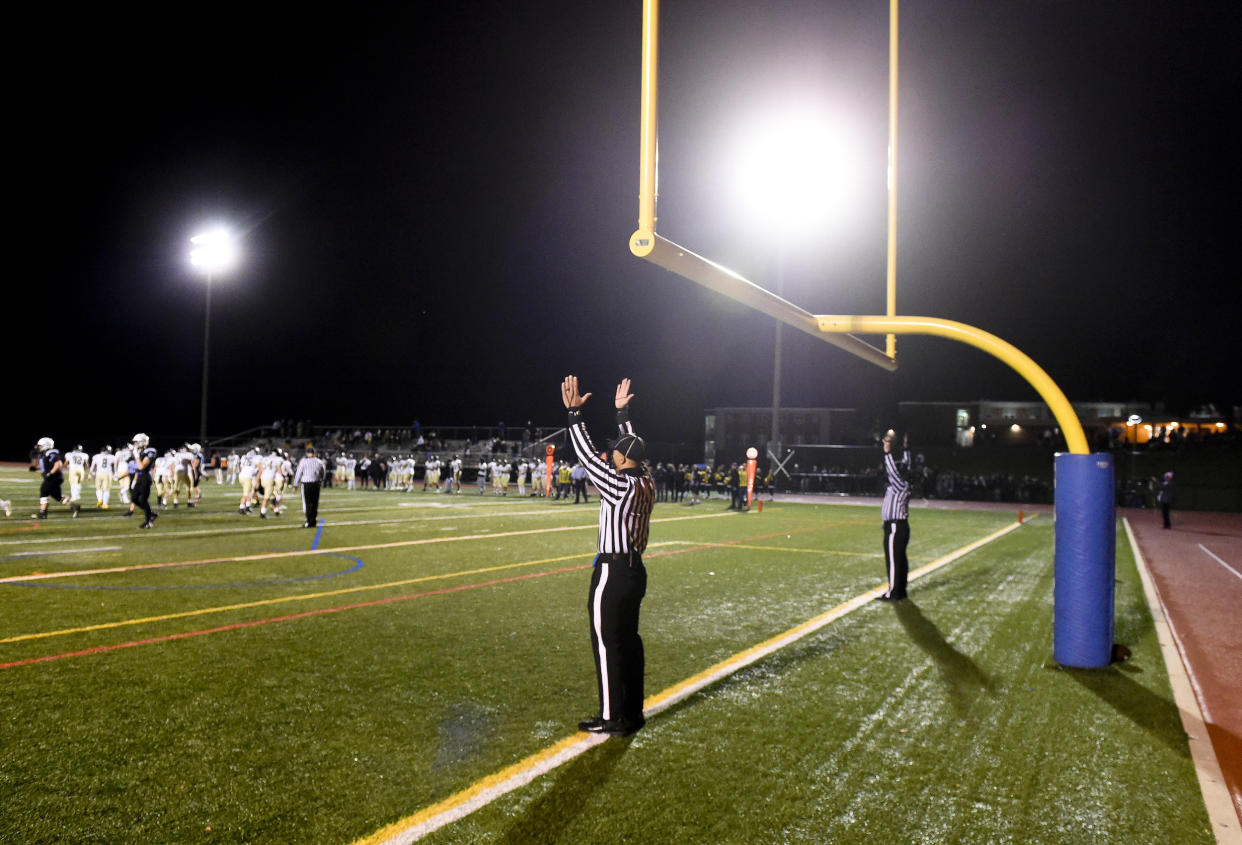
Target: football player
76 463
52 466
103 467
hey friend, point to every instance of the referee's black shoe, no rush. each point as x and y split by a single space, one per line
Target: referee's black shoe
632 726
614 727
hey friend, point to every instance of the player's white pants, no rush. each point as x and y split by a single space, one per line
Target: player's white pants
75 483
103 487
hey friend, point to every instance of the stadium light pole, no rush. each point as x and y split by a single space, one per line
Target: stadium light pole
796 175
212 252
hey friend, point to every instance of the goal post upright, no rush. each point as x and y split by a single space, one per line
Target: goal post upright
890 286
1085 511
645 243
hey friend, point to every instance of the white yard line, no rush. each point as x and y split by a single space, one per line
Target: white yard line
46 552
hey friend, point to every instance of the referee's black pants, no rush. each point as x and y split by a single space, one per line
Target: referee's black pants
310 502
896 564
618 584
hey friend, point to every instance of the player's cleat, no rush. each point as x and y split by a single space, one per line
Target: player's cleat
74 510
103 507
7 506
890 598
262 515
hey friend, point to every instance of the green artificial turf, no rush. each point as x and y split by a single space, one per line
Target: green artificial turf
942 719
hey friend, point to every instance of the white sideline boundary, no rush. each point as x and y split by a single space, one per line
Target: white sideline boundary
483 792
1189 700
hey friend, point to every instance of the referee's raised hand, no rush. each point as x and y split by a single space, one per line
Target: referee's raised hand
623 394
570 395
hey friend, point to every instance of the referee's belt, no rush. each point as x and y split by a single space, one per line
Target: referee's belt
628 558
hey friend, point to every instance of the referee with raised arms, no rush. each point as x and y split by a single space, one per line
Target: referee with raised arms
618 578
895 511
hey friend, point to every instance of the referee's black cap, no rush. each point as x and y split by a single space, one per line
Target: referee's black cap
630 446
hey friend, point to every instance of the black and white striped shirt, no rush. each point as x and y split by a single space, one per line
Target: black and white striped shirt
310 471
897 495
626 497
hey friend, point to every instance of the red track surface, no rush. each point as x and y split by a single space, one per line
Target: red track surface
1203 598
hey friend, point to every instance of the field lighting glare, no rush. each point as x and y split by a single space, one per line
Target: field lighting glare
213 251
797 173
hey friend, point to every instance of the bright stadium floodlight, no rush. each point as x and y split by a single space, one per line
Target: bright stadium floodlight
212 252
795 176
797 173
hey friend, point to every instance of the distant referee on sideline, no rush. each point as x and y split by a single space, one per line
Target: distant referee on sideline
618 579
309 478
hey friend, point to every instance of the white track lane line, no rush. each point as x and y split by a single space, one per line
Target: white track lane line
1188 696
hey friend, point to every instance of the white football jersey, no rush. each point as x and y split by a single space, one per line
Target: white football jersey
103 462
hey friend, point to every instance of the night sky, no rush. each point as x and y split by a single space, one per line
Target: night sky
435 207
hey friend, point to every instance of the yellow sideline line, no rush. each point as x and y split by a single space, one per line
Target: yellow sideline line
487 789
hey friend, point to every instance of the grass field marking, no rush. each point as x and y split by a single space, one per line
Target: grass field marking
484 791
432 818
784 549
1217 558
491 514
24 526
494 513
1188 696
50 552
306 614
69 573
679 692
104 626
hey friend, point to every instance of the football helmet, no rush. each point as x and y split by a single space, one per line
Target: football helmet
141 440
45 443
